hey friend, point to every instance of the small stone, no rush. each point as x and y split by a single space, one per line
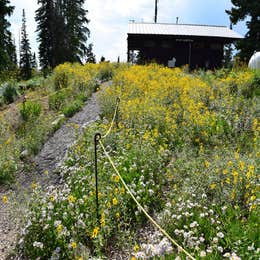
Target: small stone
24 154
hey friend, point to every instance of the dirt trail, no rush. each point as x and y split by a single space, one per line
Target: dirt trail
52 154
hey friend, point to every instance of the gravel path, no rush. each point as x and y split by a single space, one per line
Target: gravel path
52 154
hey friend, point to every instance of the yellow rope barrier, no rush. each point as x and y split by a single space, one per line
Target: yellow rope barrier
140 206
113 120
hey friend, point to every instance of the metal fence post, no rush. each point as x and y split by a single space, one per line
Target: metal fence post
117 112
96 141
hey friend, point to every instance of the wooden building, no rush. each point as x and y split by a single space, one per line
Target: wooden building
199 46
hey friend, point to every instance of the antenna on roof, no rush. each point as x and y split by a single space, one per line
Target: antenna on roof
156 11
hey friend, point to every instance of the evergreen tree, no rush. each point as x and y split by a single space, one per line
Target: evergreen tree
228 53
34 61
45 28
25 52
7 48
62 31
91 58
77 32
241 10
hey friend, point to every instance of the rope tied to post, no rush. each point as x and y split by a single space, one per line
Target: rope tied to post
98 140
114 118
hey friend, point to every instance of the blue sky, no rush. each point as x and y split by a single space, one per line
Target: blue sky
109 19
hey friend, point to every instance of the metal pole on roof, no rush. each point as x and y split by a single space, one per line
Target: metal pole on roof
156 11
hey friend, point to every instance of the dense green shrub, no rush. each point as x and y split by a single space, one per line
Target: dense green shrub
57 100
7 170
256 83
105 71
9 93
30 110
72 108
61 80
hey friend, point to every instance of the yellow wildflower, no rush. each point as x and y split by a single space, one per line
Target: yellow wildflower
71 199
235 174
251 168
52 198
228 180
197 140
241 165
8 141
253 198
212 186
206 164
116 178
233 195
117 215
73 245
103 220
225 171
252 207
46 172
115 201
230 163
95 232
136 248
4 199
59 228
34 185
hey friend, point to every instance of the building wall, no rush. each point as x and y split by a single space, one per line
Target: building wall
197 52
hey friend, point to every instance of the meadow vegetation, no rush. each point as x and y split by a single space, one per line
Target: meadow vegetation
187 145
32 110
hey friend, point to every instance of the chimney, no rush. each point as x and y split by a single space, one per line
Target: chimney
177 20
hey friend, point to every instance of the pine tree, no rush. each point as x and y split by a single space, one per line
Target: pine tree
7 48
228 53
76 30
247 9
34 61
45 28
91 58
25 52
62 31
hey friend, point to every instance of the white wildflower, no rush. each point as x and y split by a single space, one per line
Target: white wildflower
38 244
226 255
220 234
215 240
194 224
220 249
251 248
234 257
